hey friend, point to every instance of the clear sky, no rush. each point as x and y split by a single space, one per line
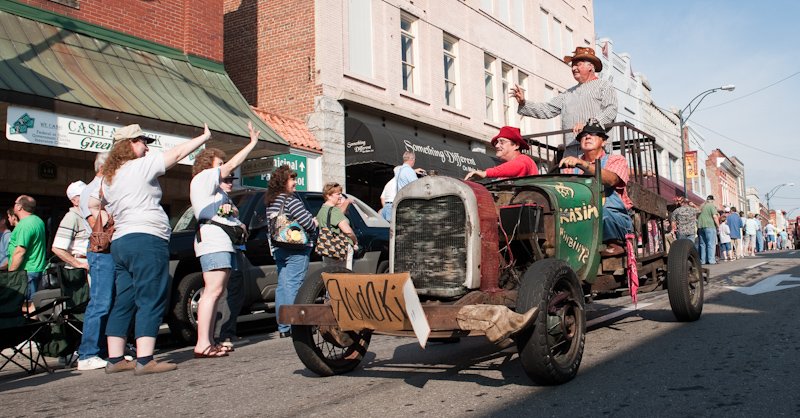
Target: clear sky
684 47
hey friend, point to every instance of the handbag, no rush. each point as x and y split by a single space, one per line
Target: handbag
51 277
285 232
329 243
100 237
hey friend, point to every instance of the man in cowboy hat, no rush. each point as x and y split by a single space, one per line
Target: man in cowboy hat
614 176
592 97
508 144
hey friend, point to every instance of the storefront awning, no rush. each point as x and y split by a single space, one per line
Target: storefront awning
53 63
369 142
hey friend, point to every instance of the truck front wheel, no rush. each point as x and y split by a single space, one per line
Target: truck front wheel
551 350
326 351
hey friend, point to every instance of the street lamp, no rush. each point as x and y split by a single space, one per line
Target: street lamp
684 116
772 192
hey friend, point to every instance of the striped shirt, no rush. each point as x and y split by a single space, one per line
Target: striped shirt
294 208
592 99
71 235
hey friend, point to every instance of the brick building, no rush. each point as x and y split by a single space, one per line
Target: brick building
75 70
374 78
726 178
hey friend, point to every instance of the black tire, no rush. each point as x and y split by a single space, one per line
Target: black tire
552 348
684 281
183 321
320 354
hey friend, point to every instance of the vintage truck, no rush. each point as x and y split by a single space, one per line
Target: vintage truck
516 258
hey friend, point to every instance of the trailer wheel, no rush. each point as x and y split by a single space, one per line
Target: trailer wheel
552 349
318 348
684 281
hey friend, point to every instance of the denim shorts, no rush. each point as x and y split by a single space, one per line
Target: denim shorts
725 246
218 261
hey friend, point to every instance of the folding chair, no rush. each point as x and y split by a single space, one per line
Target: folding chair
66 319
18 332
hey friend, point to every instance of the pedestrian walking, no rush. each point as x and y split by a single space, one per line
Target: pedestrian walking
707 224
140 244
725 251
219 232
751 226
735 223
771 234
291 263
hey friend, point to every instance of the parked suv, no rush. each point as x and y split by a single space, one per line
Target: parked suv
258 269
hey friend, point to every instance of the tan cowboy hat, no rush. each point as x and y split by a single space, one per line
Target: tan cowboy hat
585 54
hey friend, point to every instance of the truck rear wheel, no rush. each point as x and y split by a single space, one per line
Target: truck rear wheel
552 349
318 347
684 281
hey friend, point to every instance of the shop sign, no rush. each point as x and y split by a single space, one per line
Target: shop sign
448 157
55 130
256 173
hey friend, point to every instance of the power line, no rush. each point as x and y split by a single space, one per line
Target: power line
746 145
752 93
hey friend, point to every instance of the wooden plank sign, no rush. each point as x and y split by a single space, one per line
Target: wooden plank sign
381 302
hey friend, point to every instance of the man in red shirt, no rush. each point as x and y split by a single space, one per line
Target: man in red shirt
508 145
614 176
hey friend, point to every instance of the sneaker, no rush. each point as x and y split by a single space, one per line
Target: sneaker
122 366
154 367
92 363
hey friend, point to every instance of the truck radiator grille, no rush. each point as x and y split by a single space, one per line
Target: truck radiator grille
431 243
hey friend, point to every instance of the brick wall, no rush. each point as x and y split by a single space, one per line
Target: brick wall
270 53
192 26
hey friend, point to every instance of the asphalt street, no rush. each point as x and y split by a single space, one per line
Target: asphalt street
739 360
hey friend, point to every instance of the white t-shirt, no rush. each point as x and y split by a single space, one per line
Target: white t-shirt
390 189
770 229
751 226
724 233
92 190
207 198
134 198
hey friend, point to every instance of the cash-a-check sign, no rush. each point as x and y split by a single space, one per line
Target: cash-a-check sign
381 302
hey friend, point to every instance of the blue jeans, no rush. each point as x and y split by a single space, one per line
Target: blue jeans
707 245
141 264
292 266
101 294
616 224
386 212
33 284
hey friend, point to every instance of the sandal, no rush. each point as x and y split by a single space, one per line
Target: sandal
225 348
210 352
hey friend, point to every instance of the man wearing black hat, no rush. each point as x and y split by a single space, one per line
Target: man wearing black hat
592 97
707 224
614 176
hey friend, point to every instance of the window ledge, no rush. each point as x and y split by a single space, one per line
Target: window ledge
453 111
364 80
414 97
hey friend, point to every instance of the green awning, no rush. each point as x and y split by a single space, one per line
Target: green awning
49 61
